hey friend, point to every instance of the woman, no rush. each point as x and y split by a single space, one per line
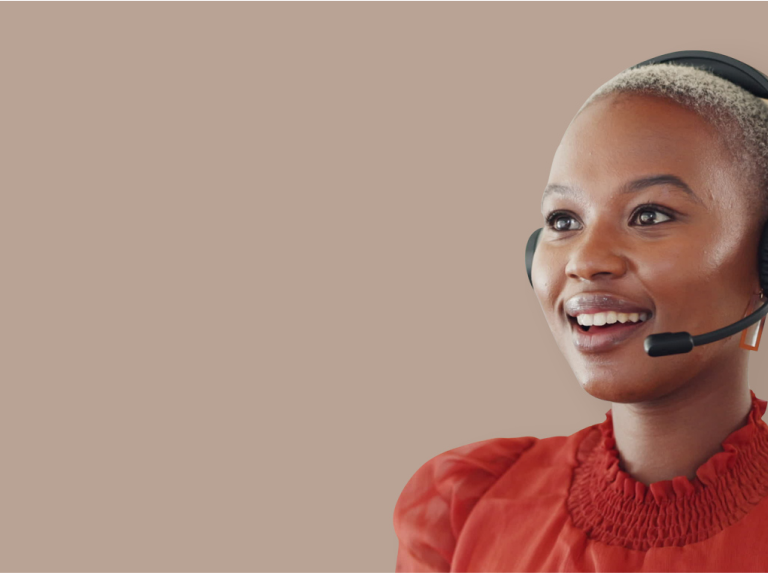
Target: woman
655 203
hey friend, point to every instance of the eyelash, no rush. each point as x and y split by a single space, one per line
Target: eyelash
552 217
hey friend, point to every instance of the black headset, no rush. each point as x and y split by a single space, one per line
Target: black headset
756 83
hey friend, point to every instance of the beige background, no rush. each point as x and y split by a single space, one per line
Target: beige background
263 260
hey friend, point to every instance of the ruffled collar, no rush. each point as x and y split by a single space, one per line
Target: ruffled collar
614 508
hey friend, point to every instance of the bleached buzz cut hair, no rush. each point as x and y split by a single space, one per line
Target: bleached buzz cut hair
740 117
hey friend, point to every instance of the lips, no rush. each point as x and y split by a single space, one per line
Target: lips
593 302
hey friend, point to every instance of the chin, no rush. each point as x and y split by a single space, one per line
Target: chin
623 389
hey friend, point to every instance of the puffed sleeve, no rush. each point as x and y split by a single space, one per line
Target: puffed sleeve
437 500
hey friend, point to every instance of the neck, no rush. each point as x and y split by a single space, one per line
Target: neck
676 433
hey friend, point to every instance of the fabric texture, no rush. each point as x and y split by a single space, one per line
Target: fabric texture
564 504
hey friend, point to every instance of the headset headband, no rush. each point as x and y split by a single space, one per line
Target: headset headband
731 69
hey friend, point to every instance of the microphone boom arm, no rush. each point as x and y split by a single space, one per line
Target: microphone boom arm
667 343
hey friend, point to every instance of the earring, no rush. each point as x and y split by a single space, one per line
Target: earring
750 337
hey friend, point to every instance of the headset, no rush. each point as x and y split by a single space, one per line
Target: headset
756 83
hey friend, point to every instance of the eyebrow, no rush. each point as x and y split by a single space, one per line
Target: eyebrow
631 186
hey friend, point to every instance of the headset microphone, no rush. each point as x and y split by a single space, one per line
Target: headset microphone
679 342
756 83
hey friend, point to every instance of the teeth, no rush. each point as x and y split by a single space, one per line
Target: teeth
601 318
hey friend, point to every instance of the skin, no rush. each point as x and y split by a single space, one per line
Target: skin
693 266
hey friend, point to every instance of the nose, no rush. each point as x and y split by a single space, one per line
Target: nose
596 251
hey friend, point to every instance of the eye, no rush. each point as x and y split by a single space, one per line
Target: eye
552 221
652 221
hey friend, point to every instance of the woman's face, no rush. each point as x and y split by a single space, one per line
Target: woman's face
692 262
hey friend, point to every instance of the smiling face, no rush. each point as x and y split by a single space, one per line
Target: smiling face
692 262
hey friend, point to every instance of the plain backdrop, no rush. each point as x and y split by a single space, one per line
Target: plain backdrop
262 260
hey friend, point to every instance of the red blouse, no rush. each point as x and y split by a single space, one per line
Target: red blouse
564 504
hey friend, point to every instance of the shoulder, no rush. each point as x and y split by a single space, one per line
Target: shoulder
465 466
437 500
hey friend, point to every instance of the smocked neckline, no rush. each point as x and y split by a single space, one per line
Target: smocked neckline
614 508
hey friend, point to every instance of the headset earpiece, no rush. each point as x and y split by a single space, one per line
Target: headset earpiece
530 249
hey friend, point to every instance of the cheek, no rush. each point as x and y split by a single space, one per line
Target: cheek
547 280
695 286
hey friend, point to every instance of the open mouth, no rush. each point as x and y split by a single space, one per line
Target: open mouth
616 326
